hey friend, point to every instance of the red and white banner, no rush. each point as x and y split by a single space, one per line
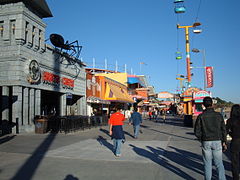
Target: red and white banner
209 76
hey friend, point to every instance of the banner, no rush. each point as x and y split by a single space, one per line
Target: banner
209 76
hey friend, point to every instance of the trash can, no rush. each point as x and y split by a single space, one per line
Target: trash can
41 125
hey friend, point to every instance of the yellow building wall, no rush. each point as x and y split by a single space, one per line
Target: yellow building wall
119 77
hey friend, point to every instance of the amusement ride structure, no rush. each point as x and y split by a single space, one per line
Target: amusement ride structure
191 97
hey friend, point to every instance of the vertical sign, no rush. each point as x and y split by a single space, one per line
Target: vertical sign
209 76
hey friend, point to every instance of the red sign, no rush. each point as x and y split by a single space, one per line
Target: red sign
53 79
209 76
68 82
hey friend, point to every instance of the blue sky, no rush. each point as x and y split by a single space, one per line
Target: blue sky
134 31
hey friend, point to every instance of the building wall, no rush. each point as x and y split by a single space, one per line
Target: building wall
22 52
119 77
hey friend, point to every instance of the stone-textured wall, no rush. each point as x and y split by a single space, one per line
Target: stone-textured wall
21 41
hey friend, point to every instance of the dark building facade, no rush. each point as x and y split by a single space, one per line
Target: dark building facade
35 78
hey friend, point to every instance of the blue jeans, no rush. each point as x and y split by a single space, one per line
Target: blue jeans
213 150
117 146
136 130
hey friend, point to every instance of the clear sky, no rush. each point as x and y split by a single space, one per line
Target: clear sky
134 31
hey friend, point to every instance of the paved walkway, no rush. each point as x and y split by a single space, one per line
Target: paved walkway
162 151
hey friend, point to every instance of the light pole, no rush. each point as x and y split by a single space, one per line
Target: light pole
181 79
204 63
188 49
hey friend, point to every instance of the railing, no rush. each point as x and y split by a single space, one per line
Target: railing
69 124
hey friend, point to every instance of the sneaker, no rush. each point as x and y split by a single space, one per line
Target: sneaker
118 155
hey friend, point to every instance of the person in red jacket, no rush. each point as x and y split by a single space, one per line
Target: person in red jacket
116 131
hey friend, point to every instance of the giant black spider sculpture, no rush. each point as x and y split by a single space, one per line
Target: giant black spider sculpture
73 48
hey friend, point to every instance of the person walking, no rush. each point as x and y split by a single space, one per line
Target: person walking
135 120
116 131
233 129
163 113
150 115
210 130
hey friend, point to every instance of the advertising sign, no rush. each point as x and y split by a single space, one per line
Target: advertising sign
198 96
209 76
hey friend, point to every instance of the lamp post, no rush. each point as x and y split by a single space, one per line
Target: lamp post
204 63
181 79
188 49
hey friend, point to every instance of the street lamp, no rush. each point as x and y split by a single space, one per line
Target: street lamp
204 63
181 79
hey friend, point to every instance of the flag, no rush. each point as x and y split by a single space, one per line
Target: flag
209 76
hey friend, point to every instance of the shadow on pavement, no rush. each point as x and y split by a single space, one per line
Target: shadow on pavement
127 133
156 155
6 139
29 168
172 134
70 177
105 131
104 142
181 157
144 126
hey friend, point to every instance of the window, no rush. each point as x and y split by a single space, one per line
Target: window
33 33
12 27
1 28
26 30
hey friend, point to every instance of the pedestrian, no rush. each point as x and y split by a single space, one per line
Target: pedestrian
164 115
210 130
116 131
150 115
233 129
135 120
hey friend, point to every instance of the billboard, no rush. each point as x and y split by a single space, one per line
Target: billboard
209 76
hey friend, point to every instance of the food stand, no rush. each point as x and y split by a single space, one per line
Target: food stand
192 100
198 103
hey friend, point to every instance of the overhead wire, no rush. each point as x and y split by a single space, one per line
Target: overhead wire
177 43
196 18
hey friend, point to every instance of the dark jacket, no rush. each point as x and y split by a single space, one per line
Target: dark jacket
117 132
233 129
136 118
210 126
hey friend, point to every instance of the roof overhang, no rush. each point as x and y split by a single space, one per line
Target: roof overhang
38 5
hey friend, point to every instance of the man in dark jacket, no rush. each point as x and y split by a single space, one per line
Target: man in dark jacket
135 120
210 130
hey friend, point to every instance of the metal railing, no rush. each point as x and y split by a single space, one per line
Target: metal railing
69 124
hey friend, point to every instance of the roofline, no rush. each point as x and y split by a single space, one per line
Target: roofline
38 5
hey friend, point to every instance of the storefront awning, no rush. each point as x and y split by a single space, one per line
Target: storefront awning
116 93
96 100
134 79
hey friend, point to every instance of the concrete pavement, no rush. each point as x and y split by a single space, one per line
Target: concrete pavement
163 151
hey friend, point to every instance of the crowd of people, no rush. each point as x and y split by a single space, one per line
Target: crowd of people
210 129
